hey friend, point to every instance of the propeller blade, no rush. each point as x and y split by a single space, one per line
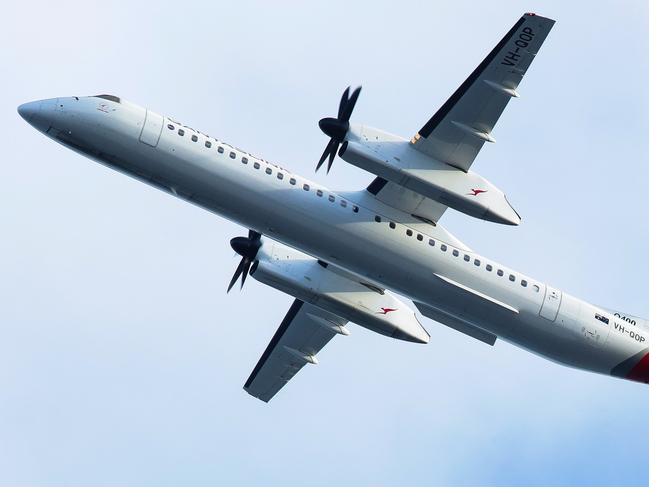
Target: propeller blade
327 152
246 270
322 158
247 248
349 106
343 101
237 273
332 154
337 128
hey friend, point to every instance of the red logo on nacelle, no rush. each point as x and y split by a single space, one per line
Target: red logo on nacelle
476 192
385 311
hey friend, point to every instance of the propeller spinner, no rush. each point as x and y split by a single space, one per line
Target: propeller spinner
337 128
247 248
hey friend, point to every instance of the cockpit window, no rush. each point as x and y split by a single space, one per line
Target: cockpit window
110 98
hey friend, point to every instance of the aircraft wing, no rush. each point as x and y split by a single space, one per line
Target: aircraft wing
456 132
305 330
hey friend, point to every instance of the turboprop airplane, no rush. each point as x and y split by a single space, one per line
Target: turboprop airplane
343 255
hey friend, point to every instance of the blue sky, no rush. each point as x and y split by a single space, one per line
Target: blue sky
122 359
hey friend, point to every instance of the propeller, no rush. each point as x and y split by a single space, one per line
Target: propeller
337 128
247 248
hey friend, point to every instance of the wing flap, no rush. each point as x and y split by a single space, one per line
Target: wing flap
458 323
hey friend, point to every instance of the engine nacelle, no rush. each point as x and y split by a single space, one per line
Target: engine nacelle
304 278
394 159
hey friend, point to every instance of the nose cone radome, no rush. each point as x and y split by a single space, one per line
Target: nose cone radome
28 110
39 114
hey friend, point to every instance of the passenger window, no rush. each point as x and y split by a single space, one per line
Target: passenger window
343 203
194 138
208 144
377 219
244 160
232 155
280 175
443 248
331 198
477 263
181 132
420 237
489 267
456 253
512 277
319 192
306 187
292 181
536 288
409 232
500 273
355 209
220 149
269 170
256 165
393 225
170 127
467 258
524 283
431 242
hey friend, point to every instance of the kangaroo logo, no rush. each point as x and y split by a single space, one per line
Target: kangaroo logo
385 311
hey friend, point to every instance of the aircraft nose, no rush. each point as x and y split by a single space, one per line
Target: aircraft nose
28 110
38 113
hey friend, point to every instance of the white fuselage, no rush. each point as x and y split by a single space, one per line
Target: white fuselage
415 259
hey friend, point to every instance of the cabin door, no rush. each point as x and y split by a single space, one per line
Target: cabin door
551 303
151 129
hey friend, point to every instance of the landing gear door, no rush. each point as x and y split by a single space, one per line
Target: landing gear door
151 129
551 303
